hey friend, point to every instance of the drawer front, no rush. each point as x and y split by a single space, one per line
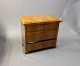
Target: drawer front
41 45
34 27
41 35
48 34
34 36
35 46
50 43
51 26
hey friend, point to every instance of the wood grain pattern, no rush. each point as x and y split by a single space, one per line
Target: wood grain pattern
40 45
50 43
35 46
24 38
34 36
37 28
39 19
34 27
51 26
50 34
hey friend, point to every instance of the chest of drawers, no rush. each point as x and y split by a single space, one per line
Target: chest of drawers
39 32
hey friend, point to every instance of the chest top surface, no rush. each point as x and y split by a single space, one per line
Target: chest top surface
39 19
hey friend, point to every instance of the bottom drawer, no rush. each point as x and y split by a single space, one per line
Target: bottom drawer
41 45
35 46
49 43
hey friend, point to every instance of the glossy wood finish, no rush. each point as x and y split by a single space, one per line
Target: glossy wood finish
39 19
50 34
41 45
35 46
34 27
37 30
51 26
35 36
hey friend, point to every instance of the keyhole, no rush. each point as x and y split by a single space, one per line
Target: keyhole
43 26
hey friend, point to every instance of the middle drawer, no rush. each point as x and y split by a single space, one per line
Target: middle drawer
34 36
41 35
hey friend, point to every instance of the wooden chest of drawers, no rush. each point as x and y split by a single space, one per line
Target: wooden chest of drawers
39 32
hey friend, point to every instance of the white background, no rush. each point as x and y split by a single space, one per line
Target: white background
67 52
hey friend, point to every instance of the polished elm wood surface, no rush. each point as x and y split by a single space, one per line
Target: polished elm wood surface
50 43
34 27
39 28
41 35
41 45
51 25
50 34
35 46
39 19
34 36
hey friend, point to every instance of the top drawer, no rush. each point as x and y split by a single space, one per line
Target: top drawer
34 27
41 26
54 25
